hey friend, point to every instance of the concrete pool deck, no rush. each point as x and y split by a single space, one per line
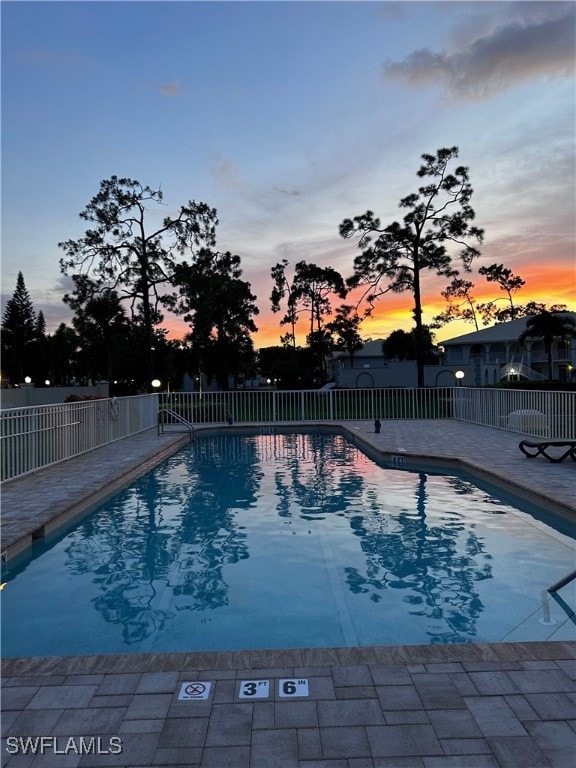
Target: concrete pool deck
451 706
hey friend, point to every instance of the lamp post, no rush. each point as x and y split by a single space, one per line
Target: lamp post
459 375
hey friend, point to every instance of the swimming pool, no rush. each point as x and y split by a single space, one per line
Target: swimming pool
290 540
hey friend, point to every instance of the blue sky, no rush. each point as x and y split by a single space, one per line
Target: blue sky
288 117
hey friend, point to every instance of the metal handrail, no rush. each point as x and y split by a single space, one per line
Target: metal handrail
176 416
562 583
551 591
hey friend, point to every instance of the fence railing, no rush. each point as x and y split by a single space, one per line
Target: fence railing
271 406
535 412
35 437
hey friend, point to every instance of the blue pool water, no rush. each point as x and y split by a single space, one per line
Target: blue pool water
296 540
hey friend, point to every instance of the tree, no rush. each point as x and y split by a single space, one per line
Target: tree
549 326
401 345
63 350
309 292
345 326
20 329
219 306
510 284
288 367
101 323
122 252
281 289
393 257
461 304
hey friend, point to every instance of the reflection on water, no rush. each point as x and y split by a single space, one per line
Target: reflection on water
437 566
271 541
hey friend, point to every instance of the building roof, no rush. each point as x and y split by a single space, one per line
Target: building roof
501 332
370 349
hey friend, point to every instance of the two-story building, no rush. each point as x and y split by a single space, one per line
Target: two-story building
475 359
494 354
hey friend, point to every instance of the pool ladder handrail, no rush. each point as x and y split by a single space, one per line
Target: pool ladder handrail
551 590
176 416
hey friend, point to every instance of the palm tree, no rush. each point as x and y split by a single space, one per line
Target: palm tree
549 326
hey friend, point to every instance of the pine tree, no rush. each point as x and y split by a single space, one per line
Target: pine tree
19 329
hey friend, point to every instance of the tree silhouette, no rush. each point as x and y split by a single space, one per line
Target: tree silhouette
122 253
310 292
549 326
345 326
101 323
20 329
394 257
219 306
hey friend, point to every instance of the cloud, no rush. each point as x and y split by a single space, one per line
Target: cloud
225 173
510 54
287 192
171 89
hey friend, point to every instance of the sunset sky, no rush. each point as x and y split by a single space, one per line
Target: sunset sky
289 117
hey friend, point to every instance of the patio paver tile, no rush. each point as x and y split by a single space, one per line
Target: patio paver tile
556 741
495 717
309 745
349 712
62 697
450 723
552 706
403 740
88 722
345 741
148 705
180 732
226 757
274 749
438 691
399 697
518 752
230 725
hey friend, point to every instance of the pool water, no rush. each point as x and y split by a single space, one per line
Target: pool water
290 540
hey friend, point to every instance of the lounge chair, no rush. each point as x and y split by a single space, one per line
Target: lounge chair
533 448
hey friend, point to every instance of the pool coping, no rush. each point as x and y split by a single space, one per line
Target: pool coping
294 658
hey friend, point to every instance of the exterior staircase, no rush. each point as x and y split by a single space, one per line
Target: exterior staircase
521 370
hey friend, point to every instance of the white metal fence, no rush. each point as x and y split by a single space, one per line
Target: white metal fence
271 406
32 438
538 413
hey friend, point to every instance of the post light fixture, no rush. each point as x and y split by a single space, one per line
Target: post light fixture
459 375
156 383
47 382
27 380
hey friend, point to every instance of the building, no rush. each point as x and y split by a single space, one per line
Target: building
370 368
494 354
476 359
